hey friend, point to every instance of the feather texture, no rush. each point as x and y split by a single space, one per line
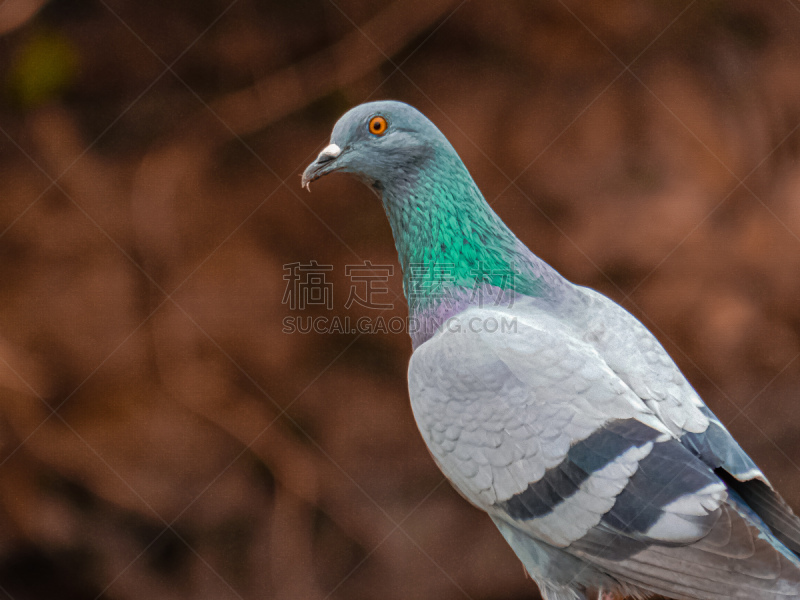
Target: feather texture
570 425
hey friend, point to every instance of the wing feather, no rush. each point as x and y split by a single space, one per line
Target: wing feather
575 452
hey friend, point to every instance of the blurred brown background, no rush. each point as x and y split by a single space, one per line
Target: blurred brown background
161 437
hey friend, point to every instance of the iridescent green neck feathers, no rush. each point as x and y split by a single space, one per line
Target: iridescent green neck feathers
450 243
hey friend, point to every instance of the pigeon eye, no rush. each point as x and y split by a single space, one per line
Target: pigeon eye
377 125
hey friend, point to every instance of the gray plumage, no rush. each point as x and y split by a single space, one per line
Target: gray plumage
570 426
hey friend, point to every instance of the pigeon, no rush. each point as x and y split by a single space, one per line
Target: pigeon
552 408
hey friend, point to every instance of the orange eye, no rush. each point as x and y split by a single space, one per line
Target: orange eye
377 125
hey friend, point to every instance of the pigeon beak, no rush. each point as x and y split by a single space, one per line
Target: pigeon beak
324 164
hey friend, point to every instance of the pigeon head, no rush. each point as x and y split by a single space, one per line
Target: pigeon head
384 144
449 241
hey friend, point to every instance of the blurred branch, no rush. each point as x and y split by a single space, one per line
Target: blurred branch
15 13
313 481
168 168
291 548
290 89
65 157
296 86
